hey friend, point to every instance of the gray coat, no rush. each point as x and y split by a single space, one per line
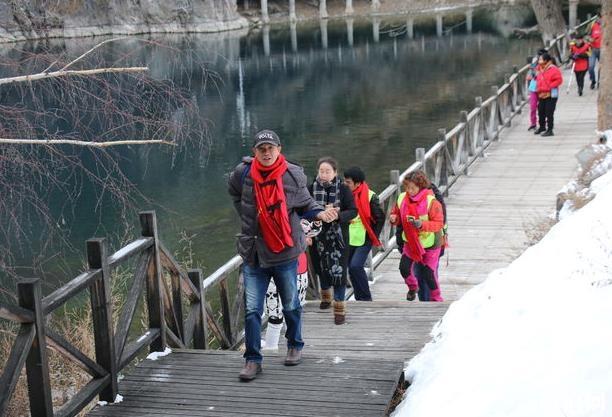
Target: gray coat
250 244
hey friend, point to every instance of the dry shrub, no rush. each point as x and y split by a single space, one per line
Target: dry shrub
537 229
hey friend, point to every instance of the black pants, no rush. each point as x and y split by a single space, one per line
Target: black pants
424 275
580 79
546 112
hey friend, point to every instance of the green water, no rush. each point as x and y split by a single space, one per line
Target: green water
368 101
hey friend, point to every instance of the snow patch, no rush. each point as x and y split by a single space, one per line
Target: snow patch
156 355
533 339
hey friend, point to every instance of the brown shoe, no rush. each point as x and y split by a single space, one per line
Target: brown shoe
339 312
294 357
250 371
326 299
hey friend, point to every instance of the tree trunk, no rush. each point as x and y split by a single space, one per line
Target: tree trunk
550 18
604 106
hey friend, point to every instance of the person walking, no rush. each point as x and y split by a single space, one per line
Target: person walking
595 38
270 195
548 79
364 230
330 249
274 305
580 52
421 218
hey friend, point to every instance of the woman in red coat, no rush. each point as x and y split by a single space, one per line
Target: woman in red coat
580 55
548 80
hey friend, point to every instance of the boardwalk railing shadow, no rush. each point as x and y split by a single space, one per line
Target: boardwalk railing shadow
177 309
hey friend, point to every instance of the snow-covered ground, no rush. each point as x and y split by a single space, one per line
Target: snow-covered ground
534 339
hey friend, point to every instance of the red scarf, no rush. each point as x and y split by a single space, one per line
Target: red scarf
414 206
361 195
272 213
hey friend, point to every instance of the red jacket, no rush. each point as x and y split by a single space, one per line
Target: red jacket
548 78
596 35
581 59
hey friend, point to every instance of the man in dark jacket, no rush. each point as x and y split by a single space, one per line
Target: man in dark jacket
270 196
364 230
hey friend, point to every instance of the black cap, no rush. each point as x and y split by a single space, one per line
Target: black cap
266 136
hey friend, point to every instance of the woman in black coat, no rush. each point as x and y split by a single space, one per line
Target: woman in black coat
330 249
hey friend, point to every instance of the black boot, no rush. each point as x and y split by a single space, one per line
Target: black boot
540 130
548 133
580 91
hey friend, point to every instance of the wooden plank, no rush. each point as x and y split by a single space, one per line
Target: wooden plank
129 250
102 315
16 314
63 347
155 304
133 296
37 363
226 317
14 364
58 297
172 265
200 324
133 349
80 400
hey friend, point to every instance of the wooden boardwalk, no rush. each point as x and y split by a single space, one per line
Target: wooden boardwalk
353 370
507 195
349 370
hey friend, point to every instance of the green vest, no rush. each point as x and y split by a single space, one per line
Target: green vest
357 231
427 239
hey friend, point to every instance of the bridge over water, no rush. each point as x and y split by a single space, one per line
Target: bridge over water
499 179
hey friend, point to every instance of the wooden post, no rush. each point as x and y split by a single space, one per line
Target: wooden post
394 176
226 311
37 363
494 112
148 223
468 145
420 156
265 17
481 128
102 315
200 333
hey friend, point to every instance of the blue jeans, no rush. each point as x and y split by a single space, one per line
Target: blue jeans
357 258
256 281
339 291
592 59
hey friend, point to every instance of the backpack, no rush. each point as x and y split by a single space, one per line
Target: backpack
440 197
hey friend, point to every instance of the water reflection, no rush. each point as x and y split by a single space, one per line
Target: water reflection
368 92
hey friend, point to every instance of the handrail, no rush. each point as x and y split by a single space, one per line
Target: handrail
157 278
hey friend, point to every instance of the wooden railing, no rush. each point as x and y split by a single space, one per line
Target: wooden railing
157 278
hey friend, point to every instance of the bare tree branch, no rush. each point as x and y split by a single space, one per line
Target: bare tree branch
61 73
84 143
65 67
